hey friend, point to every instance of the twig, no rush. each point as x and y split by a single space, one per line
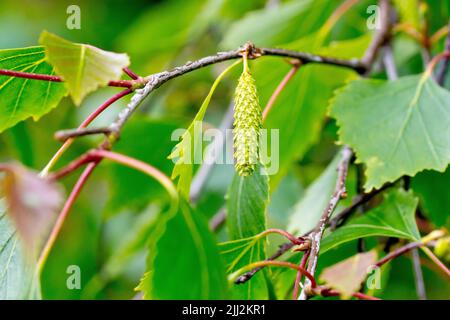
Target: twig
316 235
279 89
436 260
93 157
398 252
218 219
63 215
418 275
83 125
46 77
64 135
265 263
298 278
381 36
130 73
389 63
442 71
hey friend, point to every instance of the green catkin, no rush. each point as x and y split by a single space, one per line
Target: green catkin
247 124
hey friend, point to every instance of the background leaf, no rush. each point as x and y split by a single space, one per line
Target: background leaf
188 149
347 276
307 212
246 205
412 115
23 98
189 267
83 67
393 218
239 253
246 216
151 142
16 270
433 189
33 203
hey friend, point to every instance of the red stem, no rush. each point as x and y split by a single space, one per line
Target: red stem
46 77
299 276
394 254
131 74
103 106
286 234
65 212
279 89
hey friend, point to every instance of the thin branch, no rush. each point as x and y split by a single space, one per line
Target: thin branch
279 89
316 236
46 77
235 276
381 36
130 73
298 278
218 219
418 275
64 135
442 71
436 260
83 125
63 215
398 252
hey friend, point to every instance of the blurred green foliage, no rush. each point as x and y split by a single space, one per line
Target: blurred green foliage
108 229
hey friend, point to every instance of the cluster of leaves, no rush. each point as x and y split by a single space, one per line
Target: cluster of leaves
122 229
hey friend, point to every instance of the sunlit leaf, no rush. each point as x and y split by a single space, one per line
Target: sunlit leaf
395 217
347 276
22 98
396 128
83 67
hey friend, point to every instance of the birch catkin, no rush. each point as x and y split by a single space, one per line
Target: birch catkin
247 124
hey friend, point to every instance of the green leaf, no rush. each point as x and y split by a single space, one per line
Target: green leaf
83 67
409 12
130 188
275 26
396 128
246 205
433 189
299 112
395 217
17 280
23 98
348 275
309 209
247 201
189 148
185 261
238 254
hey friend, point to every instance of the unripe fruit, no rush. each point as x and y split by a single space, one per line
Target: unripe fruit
247 124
